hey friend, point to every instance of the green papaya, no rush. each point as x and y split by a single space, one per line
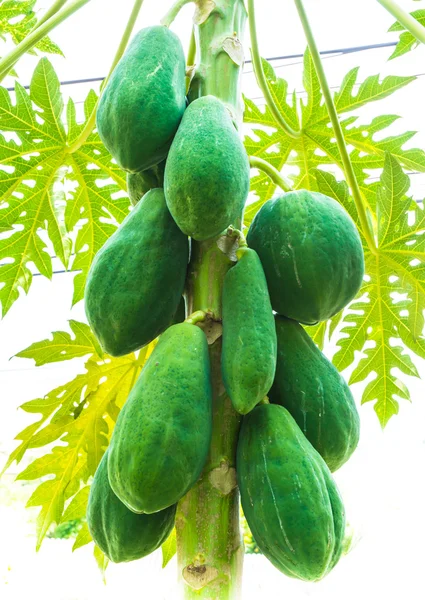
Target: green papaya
249 335
138 184
206 179
162 435
144 100
311 253
289 498
120 533
309 386
136 280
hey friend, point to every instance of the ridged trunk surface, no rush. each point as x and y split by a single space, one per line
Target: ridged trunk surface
209 541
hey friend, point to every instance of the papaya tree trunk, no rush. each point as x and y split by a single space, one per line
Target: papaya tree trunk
209 543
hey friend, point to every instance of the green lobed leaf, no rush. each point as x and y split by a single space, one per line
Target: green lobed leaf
388 312
63 346
102 561
407 40
260 147
83 538
17 19
318 333
322 330
37 164
349 98
91 211
76 509
76 422
169 548
28 200
316 150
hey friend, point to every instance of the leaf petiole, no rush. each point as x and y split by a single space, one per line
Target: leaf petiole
346 161
275 176
91 122
261 78
56 6
173 12
404 18
191 56
32 39
138 363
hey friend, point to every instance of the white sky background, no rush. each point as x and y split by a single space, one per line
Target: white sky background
383 484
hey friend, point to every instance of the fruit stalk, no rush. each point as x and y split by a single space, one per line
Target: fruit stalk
209 544
271 171
261 78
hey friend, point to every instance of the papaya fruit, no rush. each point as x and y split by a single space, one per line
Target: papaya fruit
311 254
249 335
289 498
144 100
206 180
136 280
162 435
138 184
120 533
309 386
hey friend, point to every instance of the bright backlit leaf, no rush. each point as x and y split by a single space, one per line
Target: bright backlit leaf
53 190
169 548
407 40
389 311
316 150
76 421
17 19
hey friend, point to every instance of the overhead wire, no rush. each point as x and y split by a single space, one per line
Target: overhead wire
336 52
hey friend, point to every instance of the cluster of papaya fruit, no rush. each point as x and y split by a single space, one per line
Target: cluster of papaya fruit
188 177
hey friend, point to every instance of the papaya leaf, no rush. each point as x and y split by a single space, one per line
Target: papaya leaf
76 509
327 184
102 561
316 149
76 421
17 19
407 41
322 331
388 313
63 346
318 333
91 211
37 166
83 538
169 548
